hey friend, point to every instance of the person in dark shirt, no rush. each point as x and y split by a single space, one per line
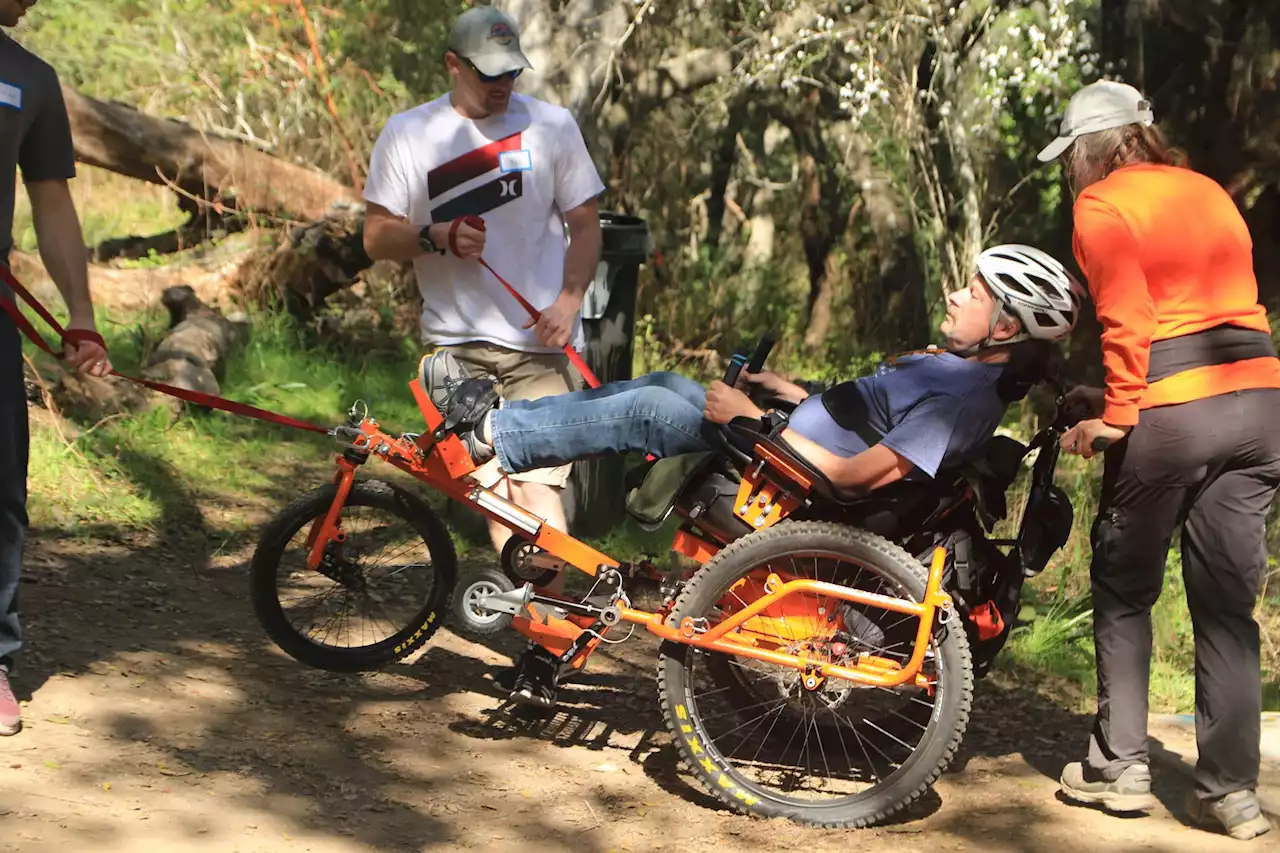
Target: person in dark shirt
35 136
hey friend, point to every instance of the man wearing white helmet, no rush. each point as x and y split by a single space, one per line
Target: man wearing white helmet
917 413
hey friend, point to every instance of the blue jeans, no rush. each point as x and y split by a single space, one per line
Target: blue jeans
659 413
13 485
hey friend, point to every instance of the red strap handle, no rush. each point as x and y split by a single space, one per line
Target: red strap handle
82 336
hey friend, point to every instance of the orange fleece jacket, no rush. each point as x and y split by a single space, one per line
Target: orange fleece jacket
1166 253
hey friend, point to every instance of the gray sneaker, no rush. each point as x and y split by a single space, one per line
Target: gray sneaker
462 400
1129 793
1238 813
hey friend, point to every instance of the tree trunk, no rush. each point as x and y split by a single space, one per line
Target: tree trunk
722 169
575 47
824 211
227 171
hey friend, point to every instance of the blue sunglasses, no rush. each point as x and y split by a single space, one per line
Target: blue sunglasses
492 78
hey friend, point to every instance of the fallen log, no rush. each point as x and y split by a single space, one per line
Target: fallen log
308 265
227 172
193 353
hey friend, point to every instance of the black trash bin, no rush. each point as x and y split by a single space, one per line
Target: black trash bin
595 497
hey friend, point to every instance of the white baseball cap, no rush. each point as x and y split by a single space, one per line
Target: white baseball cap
1098 106
488 39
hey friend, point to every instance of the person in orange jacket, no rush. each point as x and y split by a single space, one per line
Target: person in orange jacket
1191 437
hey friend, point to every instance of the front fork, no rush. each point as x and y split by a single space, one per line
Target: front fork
328 529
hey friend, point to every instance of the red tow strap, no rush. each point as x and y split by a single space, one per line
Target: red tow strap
478 223
73 336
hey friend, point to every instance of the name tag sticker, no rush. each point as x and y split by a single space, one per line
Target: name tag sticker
515 161
10 95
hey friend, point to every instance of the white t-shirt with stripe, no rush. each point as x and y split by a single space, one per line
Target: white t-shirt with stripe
518 171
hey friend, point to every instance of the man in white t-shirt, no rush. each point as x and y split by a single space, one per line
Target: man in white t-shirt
522 166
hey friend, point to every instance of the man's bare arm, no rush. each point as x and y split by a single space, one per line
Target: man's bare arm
583 254
62 251
388 237
61 242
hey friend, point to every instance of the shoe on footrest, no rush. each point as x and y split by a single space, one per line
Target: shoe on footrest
505 677
536 679
462 399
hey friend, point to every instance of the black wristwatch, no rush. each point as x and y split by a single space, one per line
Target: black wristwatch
424 240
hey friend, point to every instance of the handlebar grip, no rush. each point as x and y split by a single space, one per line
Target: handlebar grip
735 368
1100 443
762 352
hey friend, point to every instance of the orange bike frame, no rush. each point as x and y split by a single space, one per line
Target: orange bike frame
769 492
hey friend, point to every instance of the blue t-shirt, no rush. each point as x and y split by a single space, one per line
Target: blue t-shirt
935 410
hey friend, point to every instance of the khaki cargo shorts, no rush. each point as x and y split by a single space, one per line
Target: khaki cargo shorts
524 376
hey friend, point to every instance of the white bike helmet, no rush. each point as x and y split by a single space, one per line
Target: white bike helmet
1032 286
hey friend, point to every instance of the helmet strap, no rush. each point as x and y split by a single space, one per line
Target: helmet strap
989 342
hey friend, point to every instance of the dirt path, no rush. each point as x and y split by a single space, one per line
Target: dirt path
161 719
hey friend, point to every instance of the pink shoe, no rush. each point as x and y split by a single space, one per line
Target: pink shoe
10 713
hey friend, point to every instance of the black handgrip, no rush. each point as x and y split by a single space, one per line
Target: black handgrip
1101 443
735 368
762 352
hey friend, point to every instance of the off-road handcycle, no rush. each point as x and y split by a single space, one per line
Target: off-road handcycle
816 663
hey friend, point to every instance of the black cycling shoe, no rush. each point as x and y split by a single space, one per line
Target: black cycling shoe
862 629
505 678
536 679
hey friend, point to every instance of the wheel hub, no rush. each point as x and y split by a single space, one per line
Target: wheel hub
341 570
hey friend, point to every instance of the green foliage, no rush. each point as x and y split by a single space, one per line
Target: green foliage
247 68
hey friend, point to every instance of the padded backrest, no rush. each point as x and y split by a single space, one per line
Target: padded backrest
1029 364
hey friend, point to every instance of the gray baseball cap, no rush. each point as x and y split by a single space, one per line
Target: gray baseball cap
489 39
1098 106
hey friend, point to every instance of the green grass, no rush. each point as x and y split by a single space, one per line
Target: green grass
1056 638
153 472
144 471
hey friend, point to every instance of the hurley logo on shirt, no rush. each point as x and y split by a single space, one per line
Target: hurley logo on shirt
479 181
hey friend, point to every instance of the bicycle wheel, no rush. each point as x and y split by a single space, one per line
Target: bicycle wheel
397 565
467 617
840 755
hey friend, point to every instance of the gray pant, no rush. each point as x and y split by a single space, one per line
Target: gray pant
1213 467
13 484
